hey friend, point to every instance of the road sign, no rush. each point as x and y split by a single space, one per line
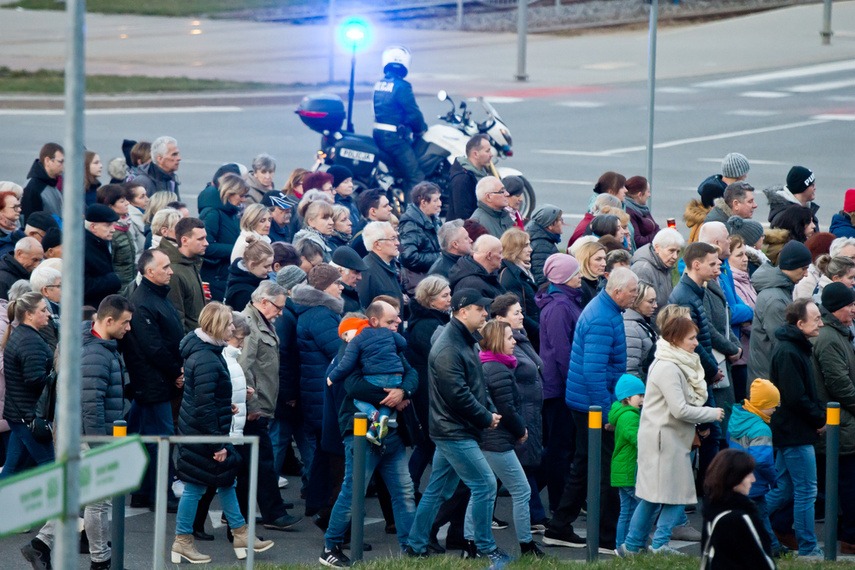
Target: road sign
37 495
112 469
30 497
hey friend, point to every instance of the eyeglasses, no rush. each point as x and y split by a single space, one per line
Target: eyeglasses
59 160
503 191
17 208
280 309
50 286
394 239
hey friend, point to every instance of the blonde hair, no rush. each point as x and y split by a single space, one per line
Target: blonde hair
643 288
339 212
584 254
430 288
296 179
252 216
256 252
514 241
231 183
670 312
214 320
166 218
615 211
158 201
493 334
317 209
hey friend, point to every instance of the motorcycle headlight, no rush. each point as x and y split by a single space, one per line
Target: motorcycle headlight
507 136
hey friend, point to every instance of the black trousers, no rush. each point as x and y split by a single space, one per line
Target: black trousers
575 491
269 497
559 441
406 164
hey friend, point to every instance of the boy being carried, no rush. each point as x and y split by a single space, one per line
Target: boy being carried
377 350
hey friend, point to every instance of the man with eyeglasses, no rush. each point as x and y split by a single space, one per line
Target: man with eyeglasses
492 201
259 359
280 216
42 192
383 276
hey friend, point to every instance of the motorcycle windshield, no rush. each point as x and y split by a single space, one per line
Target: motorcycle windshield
489 109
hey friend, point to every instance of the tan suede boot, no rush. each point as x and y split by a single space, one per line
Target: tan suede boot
185 547
242 542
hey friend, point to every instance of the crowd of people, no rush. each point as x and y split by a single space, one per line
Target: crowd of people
473 345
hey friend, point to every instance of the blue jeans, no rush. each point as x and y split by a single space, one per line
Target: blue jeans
281 432
797 481
190 499
763 515
391 460
535 505
628 503
22 449
642 521
507 467
151 419
454 461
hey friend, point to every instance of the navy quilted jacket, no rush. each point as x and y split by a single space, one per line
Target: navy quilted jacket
689 294
598 355
102 385
318 316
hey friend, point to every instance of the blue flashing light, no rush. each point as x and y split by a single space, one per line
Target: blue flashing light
354 33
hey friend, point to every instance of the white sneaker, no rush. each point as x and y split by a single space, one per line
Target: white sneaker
283 482
178 488
664 549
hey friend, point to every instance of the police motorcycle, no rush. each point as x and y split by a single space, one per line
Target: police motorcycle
435 150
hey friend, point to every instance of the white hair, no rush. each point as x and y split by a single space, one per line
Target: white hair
158 147
838 244
620 279
53 263
711 230
373 232
6 186
267 289
263 162
28 245
667 237
19 288
43 276
579 243
485 186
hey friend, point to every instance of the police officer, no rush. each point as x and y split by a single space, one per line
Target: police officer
397 116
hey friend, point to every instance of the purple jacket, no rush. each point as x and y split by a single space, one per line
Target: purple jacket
560 307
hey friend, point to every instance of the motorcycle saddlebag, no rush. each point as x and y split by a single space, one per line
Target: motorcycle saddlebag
322 112
358 153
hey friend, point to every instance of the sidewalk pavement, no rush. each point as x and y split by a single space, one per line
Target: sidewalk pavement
461 62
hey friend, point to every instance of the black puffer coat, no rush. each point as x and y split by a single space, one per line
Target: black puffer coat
517 281
422 324
99 278
469 274
443 264
240 286
102 384
502 390
151 346
28 362
289 362
419 242
529 378
206 409
10 271
543 244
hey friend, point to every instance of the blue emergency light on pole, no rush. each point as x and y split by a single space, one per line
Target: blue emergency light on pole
354 33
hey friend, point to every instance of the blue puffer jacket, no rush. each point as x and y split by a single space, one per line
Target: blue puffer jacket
598 356
318 316
102 374
739 311
373 351
689 294
748 432
841 225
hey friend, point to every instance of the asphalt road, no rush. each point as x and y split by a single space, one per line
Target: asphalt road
564 139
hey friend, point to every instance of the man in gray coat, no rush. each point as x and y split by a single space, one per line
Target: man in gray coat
492 201
102 403
774 287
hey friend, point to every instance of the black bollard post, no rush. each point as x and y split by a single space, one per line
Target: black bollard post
357 516
832 466
120 429
595 450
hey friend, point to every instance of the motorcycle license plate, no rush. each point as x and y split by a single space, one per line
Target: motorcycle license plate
357 155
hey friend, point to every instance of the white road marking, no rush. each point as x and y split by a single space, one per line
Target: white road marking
847 65
582 104
132 111
609 65
764 94
753 113
568 182
836 117
498 99
672 108
684 90
844 98
817 87
733 134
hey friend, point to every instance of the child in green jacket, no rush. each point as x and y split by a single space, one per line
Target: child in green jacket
625 415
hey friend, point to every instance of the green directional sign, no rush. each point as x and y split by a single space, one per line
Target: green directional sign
37 495
31 497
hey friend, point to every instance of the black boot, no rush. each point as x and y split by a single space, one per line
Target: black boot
37 553
100 565
531 548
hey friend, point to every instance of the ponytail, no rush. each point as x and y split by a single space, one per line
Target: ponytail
18 310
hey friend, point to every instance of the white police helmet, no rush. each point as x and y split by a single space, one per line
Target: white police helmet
397 56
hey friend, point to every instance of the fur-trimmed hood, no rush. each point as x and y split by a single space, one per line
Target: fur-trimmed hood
780 198
778 236
308 296
695 213
722 205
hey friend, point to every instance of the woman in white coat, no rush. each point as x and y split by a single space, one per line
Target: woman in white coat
673 405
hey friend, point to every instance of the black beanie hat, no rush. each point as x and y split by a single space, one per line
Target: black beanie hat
799 179
794 255
836 296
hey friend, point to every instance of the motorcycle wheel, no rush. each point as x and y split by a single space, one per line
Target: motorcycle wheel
529 202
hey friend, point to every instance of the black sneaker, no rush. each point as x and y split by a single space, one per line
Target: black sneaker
284 522
434 547
334 558
410 553
532 549
499 524
569 539
37 553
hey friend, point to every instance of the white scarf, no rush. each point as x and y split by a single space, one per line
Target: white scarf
689 364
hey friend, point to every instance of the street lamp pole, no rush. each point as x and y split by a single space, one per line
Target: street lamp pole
350 91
